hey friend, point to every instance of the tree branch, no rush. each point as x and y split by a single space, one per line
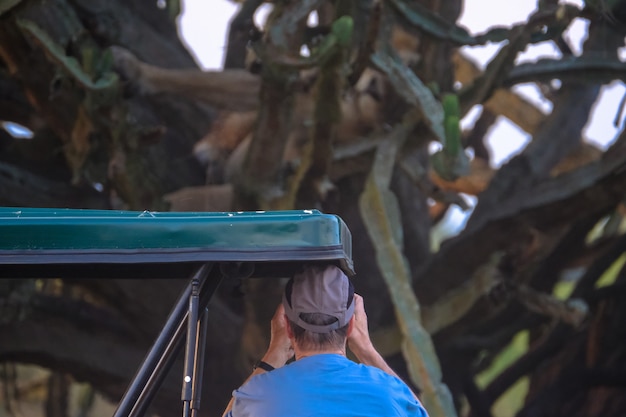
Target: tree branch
20 188
595 188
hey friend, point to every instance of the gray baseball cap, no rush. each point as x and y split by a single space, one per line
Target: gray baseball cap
319 290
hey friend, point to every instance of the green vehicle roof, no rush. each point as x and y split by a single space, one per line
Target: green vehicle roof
49 237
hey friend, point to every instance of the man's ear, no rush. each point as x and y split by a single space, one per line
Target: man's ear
288 327
350 325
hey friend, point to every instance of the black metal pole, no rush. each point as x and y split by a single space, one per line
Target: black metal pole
190 350
158 348
173 348
199 367
158 375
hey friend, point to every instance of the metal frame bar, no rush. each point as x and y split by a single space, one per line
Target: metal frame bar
163 352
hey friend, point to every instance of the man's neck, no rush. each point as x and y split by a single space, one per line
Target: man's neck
303 353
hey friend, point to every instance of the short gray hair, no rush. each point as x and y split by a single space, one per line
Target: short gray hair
306 339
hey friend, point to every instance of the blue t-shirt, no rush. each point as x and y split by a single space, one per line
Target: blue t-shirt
325 385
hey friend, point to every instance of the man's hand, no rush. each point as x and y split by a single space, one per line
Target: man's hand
280 349
360 343
359 338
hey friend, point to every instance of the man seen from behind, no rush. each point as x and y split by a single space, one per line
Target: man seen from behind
319 315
